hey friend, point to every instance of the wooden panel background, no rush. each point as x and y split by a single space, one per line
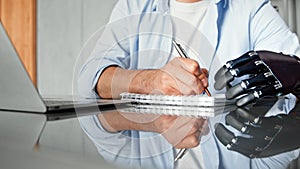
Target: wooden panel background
19 19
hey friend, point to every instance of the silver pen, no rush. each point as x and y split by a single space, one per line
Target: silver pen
183 54
180 154
179 49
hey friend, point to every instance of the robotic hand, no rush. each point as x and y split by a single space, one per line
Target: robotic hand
263 136
270 73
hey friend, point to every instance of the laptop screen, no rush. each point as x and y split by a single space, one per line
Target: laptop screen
16 88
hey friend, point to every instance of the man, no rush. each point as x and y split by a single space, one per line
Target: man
135 54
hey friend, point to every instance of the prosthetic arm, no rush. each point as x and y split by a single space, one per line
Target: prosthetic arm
262 136
267 73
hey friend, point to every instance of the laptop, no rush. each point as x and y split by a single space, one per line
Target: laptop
18 93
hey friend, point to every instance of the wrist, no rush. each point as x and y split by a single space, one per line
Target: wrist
134 81
115 122
142 82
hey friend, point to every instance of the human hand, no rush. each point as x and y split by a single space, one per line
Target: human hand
180 131
269 74
181 76
264 136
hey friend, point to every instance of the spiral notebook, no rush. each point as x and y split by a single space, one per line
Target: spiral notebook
191 105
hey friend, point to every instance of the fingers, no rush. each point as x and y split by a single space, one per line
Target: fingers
189 65
189 84
253 67
247 146
225 136
185 132
222 78
203 77
248 116
225 76
241 123
245 64
190 141
258 93
193 137
262 82
262 79
183 76
259 128
258 132
245 58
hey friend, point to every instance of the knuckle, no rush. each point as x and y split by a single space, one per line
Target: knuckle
194 128
194 141
194 66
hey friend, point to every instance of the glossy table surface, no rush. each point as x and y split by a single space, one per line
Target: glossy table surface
20 133
34 141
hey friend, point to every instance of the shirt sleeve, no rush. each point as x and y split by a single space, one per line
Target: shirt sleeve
108 46
269 31
116 44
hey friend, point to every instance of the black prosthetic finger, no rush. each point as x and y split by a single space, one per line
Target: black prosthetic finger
234 91
241 124
235 114
242 60
245 114
265 78
220 72
234 122
253 67
250 147
269 90
246 100
223 80
249 63
223 134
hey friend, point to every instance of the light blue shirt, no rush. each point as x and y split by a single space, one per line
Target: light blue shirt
139 36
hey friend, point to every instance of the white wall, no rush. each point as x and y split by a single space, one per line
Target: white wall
63 27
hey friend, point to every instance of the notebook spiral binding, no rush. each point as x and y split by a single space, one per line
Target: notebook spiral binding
192 105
